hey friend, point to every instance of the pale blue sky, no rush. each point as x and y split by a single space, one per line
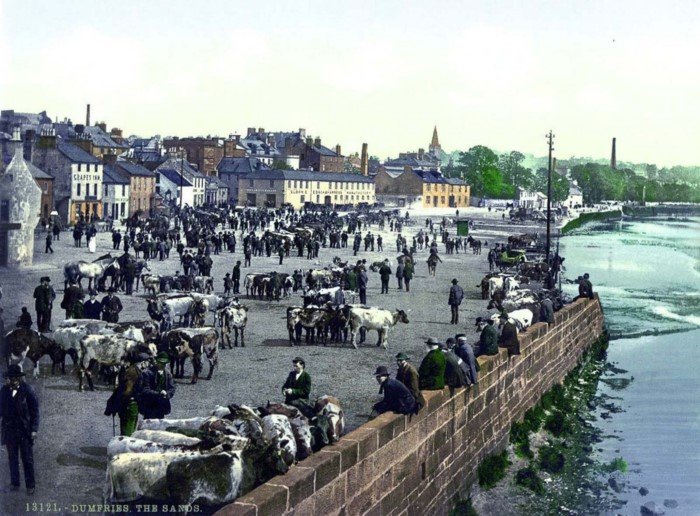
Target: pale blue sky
494 73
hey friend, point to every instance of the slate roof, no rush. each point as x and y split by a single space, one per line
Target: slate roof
255 146
307 175
324 151
174 177
134 169
102 139
411 162
245 165
111 175
37 173
76 154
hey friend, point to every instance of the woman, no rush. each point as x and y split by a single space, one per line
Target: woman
92 244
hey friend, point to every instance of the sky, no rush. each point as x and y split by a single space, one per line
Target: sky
496 73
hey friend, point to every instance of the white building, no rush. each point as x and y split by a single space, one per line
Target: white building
172 186
575 197
529 199
115 195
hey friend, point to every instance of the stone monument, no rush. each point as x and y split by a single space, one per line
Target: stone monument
20 209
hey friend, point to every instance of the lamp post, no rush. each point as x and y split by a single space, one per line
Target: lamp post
550 139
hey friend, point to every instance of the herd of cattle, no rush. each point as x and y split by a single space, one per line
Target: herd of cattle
218 458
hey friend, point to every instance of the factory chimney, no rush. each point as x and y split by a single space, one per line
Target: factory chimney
364 170
613 157
87 116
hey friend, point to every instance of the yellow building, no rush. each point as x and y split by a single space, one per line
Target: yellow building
272 188
421 188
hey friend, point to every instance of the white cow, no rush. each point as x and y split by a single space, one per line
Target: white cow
234 317
168 438
277 429
108 350
521 318
373 319
192 423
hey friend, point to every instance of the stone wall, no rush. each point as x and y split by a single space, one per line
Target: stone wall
420 465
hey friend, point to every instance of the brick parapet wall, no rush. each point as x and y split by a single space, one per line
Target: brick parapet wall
420 464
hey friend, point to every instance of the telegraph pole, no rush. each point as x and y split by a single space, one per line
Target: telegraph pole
550 140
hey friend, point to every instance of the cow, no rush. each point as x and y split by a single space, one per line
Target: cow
151 283
24 343
192 423
277 428
234 317
250 284
193 343
168 438
329 406
311 318
203 284
71 331
190 307
522 318
301 427
372 319
107 350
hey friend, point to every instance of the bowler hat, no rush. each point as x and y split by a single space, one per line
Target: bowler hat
432 341
46 278
14 371
381 371
298 359
402 356
454 281
163 358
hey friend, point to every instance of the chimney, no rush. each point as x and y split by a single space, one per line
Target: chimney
79 129
309 141
102 125
87 116
302 133
261 130
337 150
421 153
16 134
364 165
47 140
271 140
109 159
613 157
115 132
317 142
251 130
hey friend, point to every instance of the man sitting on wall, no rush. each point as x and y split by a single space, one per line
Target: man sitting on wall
397 397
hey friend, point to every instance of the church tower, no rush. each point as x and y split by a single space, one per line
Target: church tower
434 147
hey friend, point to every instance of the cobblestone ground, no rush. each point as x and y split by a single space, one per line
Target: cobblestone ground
70 456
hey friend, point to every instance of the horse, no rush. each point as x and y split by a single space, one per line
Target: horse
432 264
76 271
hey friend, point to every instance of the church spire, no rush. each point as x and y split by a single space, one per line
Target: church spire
434 143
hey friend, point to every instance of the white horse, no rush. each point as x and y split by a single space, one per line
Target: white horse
76 271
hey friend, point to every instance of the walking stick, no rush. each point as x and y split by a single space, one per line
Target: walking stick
114 426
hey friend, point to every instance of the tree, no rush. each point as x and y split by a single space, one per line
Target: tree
560 184
280 164
474 165
514 173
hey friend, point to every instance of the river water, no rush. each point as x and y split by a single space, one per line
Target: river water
647 273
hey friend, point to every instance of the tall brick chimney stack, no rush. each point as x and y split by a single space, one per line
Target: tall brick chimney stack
364 164
613 157
87 116
337 150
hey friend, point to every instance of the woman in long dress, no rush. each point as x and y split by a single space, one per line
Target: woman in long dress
92 244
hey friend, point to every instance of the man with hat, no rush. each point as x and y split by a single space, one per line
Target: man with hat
111 306
297 387
466 353
44 296
588 286
71 297
157 388
25 319
546 309
123 399
19 410
455 368
408 375
456 297
488 339
385 275
432 369
397 397
92 308
509 335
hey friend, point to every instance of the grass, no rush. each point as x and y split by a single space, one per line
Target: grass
551 460
464 508
617 464
585 218
528 477
492 470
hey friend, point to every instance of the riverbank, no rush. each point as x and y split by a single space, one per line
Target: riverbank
585 218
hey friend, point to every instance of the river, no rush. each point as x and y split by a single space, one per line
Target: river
647 273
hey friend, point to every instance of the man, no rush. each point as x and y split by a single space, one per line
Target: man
157 388
384 275
92 308
509 336
399 274
488 339
72 296
432 369
44 296
408 376
123 399
48 244
546 309
380 248
297 387
111 306
25 319
588 286
397 397
129 275
236 277
455 369
408 274
19 410
456 297
362 285
228 283
466 353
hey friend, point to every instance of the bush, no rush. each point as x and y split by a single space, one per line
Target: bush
533 418
617 464
519 437
464 508
557 424
492 470
528 477
551 460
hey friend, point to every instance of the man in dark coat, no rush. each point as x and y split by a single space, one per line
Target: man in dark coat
111 306
157 388
25 319
19 410
509 336
488 340
49 239
546 309
236 277
455 368
432 369
71 296
399 274
123 399
466 353
588 286
297 387
385 275
456 297
408 375
397 397
408 275
362 285
44 296
129 275
92 308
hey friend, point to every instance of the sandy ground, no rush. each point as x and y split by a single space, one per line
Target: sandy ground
70 454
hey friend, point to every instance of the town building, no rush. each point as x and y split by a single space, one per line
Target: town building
421 188
575 197
273 188
142 186
312 154
20 205
531 199
204 153
116 193
95 140
77 177
264 146
193 176
216 192
174 188
231 169
10 119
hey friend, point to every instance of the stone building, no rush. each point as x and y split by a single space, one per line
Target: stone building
20 206
419 188
204 153
142 184
231 169
95 140
174 188
276 187
312 154
195 178
116 194
77 177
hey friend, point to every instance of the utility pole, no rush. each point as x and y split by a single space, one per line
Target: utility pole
182 178
550 140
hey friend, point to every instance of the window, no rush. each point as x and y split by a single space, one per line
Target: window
318 199
295 184
123 191
79 165
427 199
105 190
318 185
442 200
78 193
123 209
250 183
302 199
95 189
272 183
289 183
